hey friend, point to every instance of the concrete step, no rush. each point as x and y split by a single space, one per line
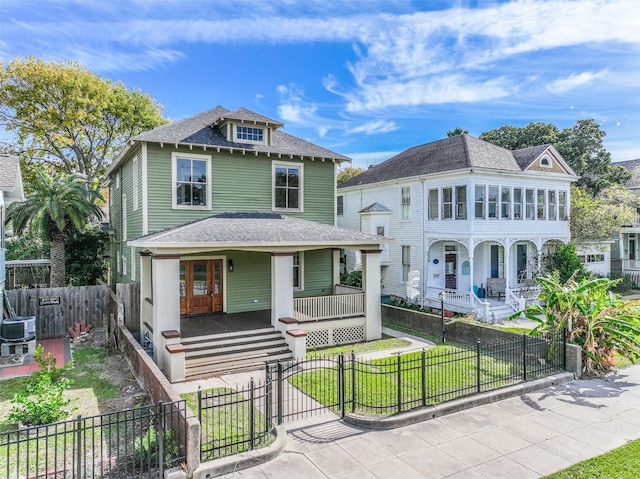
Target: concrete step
230 335
214 354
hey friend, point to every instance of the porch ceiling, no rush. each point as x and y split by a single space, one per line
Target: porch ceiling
257 232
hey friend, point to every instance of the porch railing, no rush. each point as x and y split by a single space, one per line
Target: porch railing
315 308
630 264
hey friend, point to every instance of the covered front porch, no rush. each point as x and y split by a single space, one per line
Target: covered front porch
488 278
225 284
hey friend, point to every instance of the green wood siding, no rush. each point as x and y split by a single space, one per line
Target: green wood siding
318 274
238 183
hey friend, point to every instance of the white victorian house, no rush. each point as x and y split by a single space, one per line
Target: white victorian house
468 219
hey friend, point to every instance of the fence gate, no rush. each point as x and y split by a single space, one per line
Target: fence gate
324 382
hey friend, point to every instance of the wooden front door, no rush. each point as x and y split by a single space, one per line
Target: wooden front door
201 286
450 268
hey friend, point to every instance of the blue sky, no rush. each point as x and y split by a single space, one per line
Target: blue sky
364 78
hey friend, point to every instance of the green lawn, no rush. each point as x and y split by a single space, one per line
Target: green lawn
621 463
376 387
387 342
226 423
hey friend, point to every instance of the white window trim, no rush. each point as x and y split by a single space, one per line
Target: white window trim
339 207
135 182
404 217
286 164
548 160
133 263
234 132
118 180
174 180
301 268
124 218
403 264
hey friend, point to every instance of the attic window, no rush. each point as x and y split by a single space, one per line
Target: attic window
249 134
545 161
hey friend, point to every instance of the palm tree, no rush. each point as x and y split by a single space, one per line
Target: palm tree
56 206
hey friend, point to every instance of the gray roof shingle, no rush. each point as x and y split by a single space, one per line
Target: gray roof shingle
254 229
449 154
633 167
200 130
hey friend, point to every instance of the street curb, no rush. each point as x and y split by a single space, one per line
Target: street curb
245 460
449 407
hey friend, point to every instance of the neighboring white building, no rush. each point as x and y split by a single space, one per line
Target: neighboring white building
10 190
625 252
596 257
460 211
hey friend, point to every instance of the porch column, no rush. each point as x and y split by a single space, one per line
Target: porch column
507 266
281 287
166 301
336 268
371 288
146 306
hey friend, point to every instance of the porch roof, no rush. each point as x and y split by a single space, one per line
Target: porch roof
255 231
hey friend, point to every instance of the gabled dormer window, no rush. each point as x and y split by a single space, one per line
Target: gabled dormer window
249 134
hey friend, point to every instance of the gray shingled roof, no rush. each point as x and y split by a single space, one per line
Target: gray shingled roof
198 130
450 154
633 167
375 208
259 230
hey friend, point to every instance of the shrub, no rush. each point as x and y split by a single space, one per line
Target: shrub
42 402
352 279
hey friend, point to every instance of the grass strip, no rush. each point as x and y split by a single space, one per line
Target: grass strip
620 463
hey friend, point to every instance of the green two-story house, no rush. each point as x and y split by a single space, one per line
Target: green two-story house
228 224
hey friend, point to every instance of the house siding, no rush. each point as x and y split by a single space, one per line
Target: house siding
238 183
318 274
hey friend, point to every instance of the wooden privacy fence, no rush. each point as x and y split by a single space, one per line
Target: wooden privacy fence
57 309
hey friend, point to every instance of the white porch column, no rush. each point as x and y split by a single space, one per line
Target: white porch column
371 287
146 307
281 287
507 266
166 301
336 268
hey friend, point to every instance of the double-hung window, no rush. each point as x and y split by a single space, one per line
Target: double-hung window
479 201
447 203
530 204
517 203
433 204
287 186
551 196
406 203
340 206
562 205
541 204
505 200
493 202
406 263
461 202
192 182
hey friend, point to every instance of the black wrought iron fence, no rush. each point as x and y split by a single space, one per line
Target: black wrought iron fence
233 421
131 443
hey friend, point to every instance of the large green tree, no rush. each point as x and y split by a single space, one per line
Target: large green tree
347 173
65 117
56 206
581 146
599 217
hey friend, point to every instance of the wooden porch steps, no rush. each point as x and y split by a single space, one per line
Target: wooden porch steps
216 354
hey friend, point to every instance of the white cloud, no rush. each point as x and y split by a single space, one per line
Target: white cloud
374 127
563 85
364 160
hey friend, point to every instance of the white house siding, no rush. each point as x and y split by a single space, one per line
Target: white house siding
472 238
403 233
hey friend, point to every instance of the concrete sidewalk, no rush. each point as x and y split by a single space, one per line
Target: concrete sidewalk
522 437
